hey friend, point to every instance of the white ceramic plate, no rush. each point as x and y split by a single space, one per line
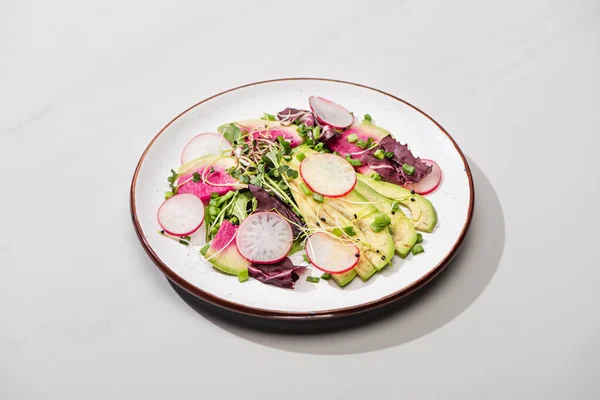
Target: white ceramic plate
453 201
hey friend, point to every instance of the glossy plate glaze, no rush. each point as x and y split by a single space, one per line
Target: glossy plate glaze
453 201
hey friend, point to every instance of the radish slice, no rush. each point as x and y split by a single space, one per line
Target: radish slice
181 215
330 254
202 145
430 182
330 113
328 174
264 238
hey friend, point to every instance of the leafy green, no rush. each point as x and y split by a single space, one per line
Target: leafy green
232 133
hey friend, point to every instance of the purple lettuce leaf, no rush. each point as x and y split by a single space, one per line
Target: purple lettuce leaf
308 119
327 132
391 169
288 115
283 274
266 202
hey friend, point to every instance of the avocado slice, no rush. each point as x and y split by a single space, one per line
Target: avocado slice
378 247
403 231
370 260
223 253
345 278
424 216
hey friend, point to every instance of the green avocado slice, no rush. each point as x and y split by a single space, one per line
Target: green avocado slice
403 231
424 216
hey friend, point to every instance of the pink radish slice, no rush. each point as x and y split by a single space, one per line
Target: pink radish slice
330 254
181 215
330 113
430 182
328 174
264 238
202 145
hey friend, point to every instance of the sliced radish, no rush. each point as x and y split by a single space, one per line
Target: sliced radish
330 113
430 182
264 238
328 174
181 215
330 254
202 145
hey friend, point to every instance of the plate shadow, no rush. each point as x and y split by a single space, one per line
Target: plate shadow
425 311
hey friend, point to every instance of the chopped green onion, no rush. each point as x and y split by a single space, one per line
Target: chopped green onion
368 118
361 143
312 279
417 249
184 242
243 275
316 132
300 156
389 154
349 231
168 195
326 276
319 146
353 138
234 220
380 222
354 162
379 154
305 258
419 238
318 197
395 206
337 232
214 195
305 189
409 169
204 249
375 176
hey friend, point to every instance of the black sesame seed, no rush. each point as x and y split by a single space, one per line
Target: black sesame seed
393 212
355 216
162 232
318 224
383 257
377 251
412 199
412 192
323 219
357 255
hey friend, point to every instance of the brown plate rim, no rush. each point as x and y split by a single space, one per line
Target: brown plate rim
283 315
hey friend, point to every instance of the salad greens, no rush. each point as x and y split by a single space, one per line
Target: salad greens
260 171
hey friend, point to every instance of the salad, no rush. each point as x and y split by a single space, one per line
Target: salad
322 184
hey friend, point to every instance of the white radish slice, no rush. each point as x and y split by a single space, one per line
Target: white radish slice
181 215
264 238
202 145
430 182
328 174
330 113
330 254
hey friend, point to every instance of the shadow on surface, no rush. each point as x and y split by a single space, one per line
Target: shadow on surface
430 308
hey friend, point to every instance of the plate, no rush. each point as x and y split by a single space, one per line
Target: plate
453 201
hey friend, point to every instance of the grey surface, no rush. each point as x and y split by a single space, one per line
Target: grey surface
84 87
